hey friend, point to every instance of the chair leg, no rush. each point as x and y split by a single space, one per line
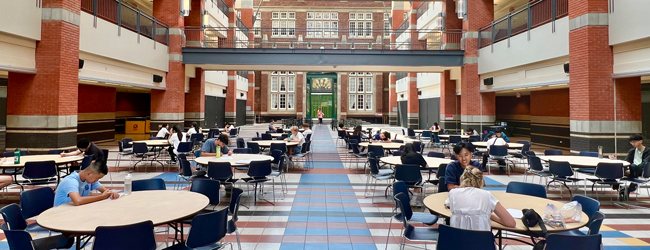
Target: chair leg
238 241
388 236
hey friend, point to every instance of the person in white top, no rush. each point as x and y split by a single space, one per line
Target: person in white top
175 138
498 141
472 207
306 131
192 130
163 131
296 137
228 128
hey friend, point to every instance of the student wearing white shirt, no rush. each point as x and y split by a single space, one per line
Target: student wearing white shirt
228 128
498 141
306 131
175 138
163 132
296 137
472 207
192 129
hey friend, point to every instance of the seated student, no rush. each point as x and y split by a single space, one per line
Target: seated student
377 136
175 139
271 127
384 137
193 129
77 186
306 130
411 156
455 169
87 148
341 126
638 157
494 140
296 137
163 131
435 127
472 207
503 135
229 127
471 131
5 180
210 146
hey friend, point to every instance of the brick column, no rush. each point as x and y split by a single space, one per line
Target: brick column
379 94
476 108
195 38
42 108
449 116
250 98
231 98
451 41
168 106
592 89
413 111
259 96
195 99
264 98
345 98
392 100
300 84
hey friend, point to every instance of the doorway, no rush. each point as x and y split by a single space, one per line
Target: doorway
321 89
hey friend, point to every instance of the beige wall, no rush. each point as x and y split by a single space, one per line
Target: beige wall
629 21
632 58
102 69
21 18
533 75
17 54
215 83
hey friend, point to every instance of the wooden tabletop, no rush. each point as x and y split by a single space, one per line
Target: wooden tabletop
386 145
161 206
58 160
436 203
267 143
275 135
447 136
203 160
580 161
432 162
420 130
483 144
153 142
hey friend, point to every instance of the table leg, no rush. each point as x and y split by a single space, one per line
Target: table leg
78 242
155 156
500 240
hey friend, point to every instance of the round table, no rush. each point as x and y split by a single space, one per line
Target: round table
58 160
267 143
385 145
483 144
420 130
276 135
432 162
235 157
447 136
154 143
580 161
436 203
160 207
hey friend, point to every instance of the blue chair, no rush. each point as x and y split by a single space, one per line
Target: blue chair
453 140
185 148
207 230
11 153
148 184
13 217
607 174
410 232
233 133
277 169
424 218
358 154
397 153
531 189
411 133
267 137
221 171
589 171
22 240
418 146
498 152
126 142
279 146
589 207
258 172
88 159
242 150
140 150
562 242
138 236
588 153
460 239
562 173
254 146
214 132
241 143
536 168
553 152
186 171
376 174
377 150
196 139
427 135
39 173
436 154
121 153
54 152
233 210
209 188
35 201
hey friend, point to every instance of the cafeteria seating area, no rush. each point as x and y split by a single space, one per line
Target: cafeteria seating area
323 201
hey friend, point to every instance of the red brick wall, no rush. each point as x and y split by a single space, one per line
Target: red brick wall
451 18
511 105
580 7
299 96
171 100
73 6
132 102
96 99
251 96
412 91
264 89
479 13
628 99
447 94
345 89
231 92
550 103
392 103
195 99
379 90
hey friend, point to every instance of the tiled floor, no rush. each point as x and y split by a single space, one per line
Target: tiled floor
325 207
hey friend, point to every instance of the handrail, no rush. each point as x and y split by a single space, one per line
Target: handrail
222 6
243 74
402 27
424 6
523 19
128 17
241 26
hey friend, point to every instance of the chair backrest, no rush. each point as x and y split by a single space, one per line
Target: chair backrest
135 236
473 138
185 147
453 157
242 151
456 239
221 171
186 168
436 154
588 153
54 152
455 139
19 240
213 132
498 150
398 141
140 148
209 188
425 134
280 146
13 217
418 146
355 148
254 146
535 163
525 142
408 173
560 168
402 200
125 142
526 188
411 132
589 205
120 146
608 170
34 201
400 187
585 242
39 170
198 137
280 130
646 171
235 198
372 162
552 152
267 137
149 184
398 153
277 155
259 169
208 228
342 133
240 142
105 152
596 222
233 132
11 153
88 159
442 184
377 150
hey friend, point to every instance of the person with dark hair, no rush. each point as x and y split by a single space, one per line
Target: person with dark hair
305 130
271 127
411 156
228 128
77 186
384 137
357 131
175 138
210 146
638 157
87 148
341 126
320 116
435 127
193 129
471 131
502 135
456 168
163 131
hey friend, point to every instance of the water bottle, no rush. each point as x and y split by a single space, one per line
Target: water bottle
17 156
600 152
127 184
218 151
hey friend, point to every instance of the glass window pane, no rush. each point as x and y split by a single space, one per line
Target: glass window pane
352 29
368 102
310 15
290 101
283 101
292 28
276 15
386 16
359 29
319 15
292 15
353 85
369 29
274 101
360 85
319 28
291 83
283 84
283 15
369 84
276 31
335 29
368 16
326 16
335 16
353 16
360 102
326 29
310 27
274 84
353 102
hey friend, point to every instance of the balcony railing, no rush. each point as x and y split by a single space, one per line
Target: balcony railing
241 26
400 75
275 38
530 16
402 27
222 6
243 74
127 17
424 6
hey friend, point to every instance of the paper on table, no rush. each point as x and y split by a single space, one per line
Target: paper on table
226 157
244 161
8 163
70 156
516 213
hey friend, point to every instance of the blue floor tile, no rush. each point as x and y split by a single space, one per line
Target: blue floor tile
359 232
317 209
352 209
356 219
292 246
295 231
614 234
336 219
317 219
334 209
297 218
316 246
337 231
299 208
316 231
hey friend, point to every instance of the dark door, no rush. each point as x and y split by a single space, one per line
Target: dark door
221 112
402 114
210 112
429 112
240 115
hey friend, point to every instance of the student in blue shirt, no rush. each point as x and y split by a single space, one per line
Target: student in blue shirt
210 146
503 135
455 169
77 186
